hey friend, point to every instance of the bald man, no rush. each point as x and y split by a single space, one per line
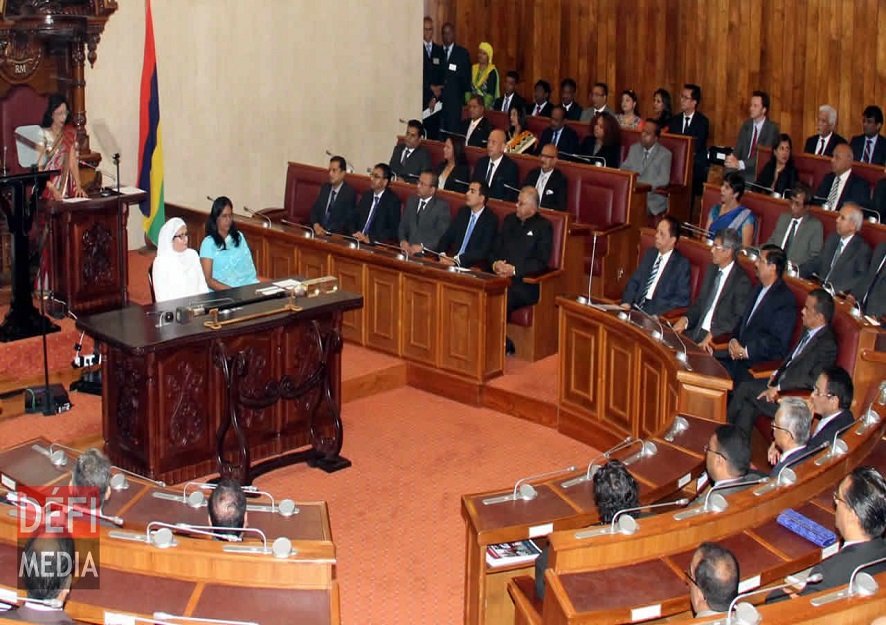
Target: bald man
548 180
497 170
845 257
713 580
841 185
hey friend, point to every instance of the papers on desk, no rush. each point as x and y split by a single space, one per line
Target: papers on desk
507 554
279 287
74 200
428 112
130 190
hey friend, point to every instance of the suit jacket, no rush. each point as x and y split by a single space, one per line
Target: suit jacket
505 174
656 173
812 144
610 153
857 145
418 161
480 243
432 73
672 290
879 200
340 218
429 226
545 110
767 334
554 195
574 112
385 221
740 484
568 141
46 617
837 569
787 179
855 190
516 101
850 269
729 307
699 128
526 245
768 136
874 285
801 371
456 82
791 460
806 245
459 172
480 134
589 113
843 419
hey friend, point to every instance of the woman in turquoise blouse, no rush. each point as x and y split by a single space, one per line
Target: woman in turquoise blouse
224 253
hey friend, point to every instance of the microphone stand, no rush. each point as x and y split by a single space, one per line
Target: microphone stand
581 299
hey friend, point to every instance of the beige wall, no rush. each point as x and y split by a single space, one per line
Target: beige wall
247 85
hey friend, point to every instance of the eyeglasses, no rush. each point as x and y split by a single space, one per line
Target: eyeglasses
818 393
713 451
837 497
180 236
719 248
691 579
778 427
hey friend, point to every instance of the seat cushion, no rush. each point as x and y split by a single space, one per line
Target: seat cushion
522 316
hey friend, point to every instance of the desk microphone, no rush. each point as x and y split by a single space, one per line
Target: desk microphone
837 447
267 219
166 616
401 255
115 520
406 175
435 253
454 134
751 252
702 232
309 232
647 450
592 467
873 216
760 187
746 613
57 457
348 167
860 585
509 187
821 201
598 161
626 525
461 182
523 490
682 355
581 299
871 417
715 502
83 163
13 599
353 242
657 335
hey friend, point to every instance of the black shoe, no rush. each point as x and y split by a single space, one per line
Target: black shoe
510 349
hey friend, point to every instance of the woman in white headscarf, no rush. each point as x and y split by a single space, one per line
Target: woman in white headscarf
177 271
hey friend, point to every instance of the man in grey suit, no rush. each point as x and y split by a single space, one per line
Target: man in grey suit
791 428
754 132
599 98
798 233
845 257
410 158
425 218
652 161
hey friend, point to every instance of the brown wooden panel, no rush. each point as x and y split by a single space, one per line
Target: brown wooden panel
459 330
280 260
619 379
420 319
382 302
583 376
312 263
653 402
351 277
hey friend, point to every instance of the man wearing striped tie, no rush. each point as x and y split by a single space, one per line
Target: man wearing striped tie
870 145
661 281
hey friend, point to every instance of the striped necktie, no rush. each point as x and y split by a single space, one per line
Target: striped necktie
651 279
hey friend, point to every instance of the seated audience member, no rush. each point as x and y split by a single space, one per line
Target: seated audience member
693 123
410 158
378 212
730 213
522 248
816 350
453 171
879 199
779 173
615 489
541 105
599 99
798 233
728 463
723 296
842 185
468 240
496 169
604 142
661 107
333 210
476 128
510 99
754 132
845 258
831 398
764 331
227 508
485 81
224 252
823 143
791 428
870 145
558 133
176 271
549 181
630 111
425 217
567 99
661 281
46 583
652 162
519 139
93 471
872 297
713 580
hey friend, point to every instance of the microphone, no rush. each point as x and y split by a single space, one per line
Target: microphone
871 418
401 255
56 457
93 513
762 189
682 355
509 187
79 162
715 502
873 216
354 242
592 468
581 298
827 286
15 599
598 161
838 446
821 201
625 524
793 270
348 167
526 491
406 175
751 252
657 335
746 614
267 219
205 530
579 157
166 616
435 253
860 585
309 232
281 548
462 182
679 426
453 134
707 234
647 450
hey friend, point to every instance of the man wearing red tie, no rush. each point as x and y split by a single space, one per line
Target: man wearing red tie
754 132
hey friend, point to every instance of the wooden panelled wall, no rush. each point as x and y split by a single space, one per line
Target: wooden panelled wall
803 52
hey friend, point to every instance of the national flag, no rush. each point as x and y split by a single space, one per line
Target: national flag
150 138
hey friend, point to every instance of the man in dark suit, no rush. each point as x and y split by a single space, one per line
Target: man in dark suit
433 62
456 80
599 102
845 258
872 297
46 583
693 123
333 210
425 217
469 238
714 573
378 212
842 185
497 170
754 132
879 199
548 180
791 427
823 143
870 145
509 97
661 281
476 128
567 100
410 158
815 351
541 105
764 331
558 133
727 463
723 295
831 398
798 233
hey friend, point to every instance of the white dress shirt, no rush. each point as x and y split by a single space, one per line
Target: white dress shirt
724 275
661 267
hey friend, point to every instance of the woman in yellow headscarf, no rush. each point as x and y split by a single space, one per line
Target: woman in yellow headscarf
484 76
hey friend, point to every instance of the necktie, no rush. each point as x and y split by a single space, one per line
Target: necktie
489 173
803 340
820 150
832 195
421 207
753 143
537 109
685 123
868 150
791 232
797 351
371 215
647 293
428 49
556 137
506 104
645 159
464 244
332 194
835 258
405 155
448 50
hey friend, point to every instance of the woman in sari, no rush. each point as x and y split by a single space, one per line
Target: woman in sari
57 149
729 213
519 139
484 76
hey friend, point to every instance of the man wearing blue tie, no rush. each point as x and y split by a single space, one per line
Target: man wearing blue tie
378 212
468 240
558 133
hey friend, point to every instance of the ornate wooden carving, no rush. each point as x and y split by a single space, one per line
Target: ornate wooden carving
129 380
97 242
187 422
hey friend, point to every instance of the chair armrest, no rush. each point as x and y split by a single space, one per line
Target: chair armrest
542 277
763 370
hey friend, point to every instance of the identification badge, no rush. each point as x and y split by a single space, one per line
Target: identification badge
453 67
435 61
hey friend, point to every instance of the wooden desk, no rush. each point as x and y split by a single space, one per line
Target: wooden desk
166 403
